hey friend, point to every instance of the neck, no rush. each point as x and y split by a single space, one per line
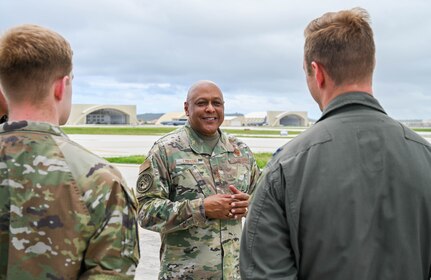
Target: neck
335 91
208 137
30 113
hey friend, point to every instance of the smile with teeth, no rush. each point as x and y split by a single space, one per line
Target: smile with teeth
210 118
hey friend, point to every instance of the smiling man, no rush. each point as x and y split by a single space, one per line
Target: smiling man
194 189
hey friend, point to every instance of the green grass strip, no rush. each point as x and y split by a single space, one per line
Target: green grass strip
422 129
261 159
163 130
156 130
135 159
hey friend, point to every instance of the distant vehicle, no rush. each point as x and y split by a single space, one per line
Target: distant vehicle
258 123
261 123
175 122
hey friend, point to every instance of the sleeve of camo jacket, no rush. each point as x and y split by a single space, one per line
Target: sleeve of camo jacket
113 251
255 173
156 211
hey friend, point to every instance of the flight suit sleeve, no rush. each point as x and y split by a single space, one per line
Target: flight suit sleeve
266 251
157 212
113 250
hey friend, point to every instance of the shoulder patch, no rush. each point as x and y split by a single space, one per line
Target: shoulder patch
145 181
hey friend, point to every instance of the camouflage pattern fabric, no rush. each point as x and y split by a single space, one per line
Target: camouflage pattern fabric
177 175
65 213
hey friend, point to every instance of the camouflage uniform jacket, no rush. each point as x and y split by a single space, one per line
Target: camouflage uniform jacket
65 213
173 182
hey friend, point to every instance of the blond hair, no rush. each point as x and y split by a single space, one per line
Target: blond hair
342 42
31 58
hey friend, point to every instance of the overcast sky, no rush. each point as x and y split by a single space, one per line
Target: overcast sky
148 53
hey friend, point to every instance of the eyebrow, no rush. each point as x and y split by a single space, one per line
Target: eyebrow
204 98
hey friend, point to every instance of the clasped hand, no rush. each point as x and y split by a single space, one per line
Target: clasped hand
227 206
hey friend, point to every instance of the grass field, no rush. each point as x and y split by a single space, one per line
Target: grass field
163 130
135 159
422 129
261 159
157 130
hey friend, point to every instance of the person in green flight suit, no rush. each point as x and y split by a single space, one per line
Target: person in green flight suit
349 198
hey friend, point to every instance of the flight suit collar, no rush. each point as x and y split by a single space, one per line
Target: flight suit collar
351 98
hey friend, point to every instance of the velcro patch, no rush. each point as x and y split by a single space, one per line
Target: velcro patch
144 182
181 161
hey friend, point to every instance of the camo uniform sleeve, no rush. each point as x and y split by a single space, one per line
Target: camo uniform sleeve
113 251
255 173
157 212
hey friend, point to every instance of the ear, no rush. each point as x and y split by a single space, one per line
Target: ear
186 108
3 104
60 87
319 74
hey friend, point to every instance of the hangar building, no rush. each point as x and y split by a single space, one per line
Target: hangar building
102 114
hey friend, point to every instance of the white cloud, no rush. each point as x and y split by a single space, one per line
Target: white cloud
149 52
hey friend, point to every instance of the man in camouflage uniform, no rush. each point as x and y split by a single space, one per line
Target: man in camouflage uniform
194 189
64 212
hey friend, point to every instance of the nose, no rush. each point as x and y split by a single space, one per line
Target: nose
210 108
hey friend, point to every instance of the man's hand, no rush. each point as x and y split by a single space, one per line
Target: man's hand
218 206
239 204
227 206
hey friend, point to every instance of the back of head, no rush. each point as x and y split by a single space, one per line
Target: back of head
31 58
343 43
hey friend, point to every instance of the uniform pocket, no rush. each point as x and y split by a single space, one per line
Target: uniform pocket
238 173
188 184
